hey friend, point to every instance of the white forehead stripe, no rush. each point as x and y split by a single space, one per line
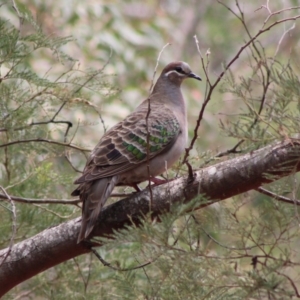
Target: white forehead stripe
174 71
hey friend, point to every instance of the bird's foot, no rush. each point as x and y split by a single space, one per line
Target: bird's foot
158 181
136 187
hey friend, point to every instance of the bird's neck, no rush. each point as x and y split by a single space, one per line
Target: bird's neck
169 93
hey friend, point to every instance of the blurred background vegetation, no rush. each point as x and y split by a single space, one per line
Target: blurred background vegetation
93 78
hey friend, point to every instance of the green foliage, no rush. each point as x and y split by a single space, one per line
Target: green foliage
54 108
278 103
227 251
36 123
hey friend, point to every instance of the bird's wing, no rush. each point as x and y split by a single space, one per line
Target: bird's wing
126 144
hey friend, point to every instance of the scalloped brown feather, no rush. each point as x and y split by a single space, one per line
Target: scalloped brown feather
112 157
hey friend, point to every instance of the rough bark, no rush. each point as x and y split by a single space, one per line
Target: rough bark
218 182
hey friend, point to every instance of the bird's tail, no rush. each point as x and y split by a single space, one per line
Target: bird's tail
94 195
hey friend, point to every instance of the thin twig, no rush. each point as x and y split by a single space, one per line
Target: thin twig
148 154
107 264
14 224
39 201
157 63
15 7
147 125
278 197
218 243
39 140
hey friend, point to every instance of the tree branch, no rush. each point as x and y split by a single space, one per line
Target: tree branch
215 183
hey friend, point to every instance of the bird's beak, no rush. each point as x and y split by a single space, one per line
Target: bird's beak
192 75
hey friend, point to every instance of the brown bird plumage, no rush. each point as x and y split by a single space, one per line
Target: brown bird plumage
120 157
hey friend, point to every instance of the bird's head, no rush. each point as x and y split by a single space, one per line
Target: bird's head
177 71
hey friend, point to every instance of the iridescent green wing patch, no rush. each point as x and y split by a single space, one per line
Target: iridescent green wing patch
161 132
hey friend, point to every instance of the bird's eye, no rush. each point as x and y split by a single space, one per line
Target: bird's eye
179 70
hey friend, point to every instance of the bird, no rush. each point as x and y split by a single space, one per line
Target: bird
146 143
